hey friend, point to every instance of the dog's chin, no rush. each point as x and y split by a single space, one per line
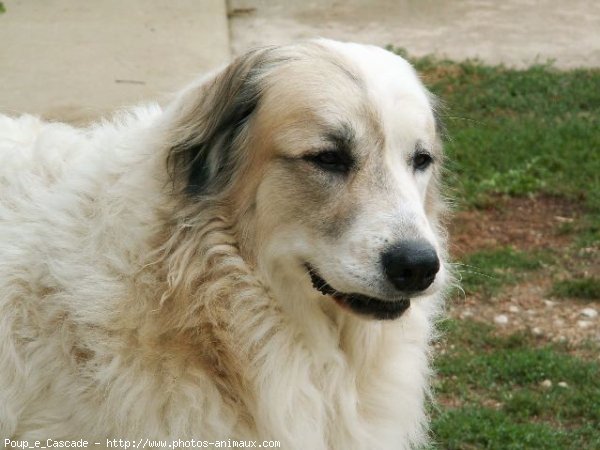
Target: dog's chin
358 303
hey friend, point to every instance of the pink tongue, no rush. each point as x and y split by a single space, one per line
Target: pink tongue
340 301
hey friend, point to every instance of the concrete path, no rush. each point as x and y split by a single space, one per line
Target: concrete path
75 60
514 32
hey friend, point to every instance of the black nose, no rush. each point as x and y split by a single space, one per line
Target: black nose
411 266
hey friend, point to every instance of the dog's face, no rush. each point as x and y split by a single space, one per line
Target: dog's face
334 174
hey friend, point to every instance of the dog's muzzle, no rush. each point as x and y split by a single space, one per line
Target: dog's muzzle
411 265
359 303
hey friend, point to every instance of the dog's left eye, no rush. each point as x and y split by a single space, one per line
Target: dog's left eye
331 160
422 160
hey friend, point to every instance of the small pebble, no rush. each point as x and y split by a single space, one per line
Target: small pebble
513 309
546 384
590 313
549 303
583 324
559 322
562 384
537 331
501 319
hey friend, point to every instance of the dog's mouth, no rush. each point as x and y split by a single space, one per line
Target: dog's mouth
359 303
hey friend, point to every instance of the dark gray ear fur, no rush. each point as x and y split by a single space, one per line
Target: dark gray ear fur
209 125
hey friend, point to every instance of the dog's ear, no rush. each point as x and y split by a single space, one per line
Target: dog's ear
210 121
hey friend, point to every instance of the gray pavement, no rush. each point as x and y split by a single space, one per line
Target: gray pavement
75 60
514 32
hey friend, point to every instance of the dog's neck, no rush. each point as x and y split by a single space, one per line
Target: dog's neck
256 337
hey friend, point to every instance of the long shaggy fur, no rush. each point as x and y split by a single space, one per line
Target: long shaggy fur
136 300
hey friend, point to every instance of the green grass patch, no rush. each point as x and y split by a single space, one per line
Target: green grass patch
487 271
480 369
482 428
583 288
2 8
519 132
476 428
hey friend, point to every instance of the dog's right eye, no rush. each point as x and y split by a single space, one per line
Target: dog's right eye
331 160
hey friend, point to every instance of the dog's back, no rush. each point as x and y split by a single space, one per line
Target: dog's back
71 229
36 160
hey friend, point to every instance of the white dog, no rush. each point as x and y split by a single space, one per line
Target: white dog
228 267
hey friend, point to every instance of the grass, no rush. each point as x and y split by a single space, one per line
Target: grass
481 428
2 8
583 288
487 271
501 404
519 133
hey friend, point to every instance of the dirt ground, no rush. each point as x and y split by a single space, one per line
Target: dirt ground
524 223
529 224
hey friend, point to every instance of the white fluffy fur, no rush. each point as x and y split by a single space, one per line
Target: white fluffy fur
106 332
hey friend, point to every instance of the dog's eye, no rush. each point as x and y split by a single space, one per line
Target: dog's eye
331 160
422 160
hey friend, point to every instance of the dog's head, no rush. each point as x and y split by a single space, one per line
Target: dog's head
328 157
